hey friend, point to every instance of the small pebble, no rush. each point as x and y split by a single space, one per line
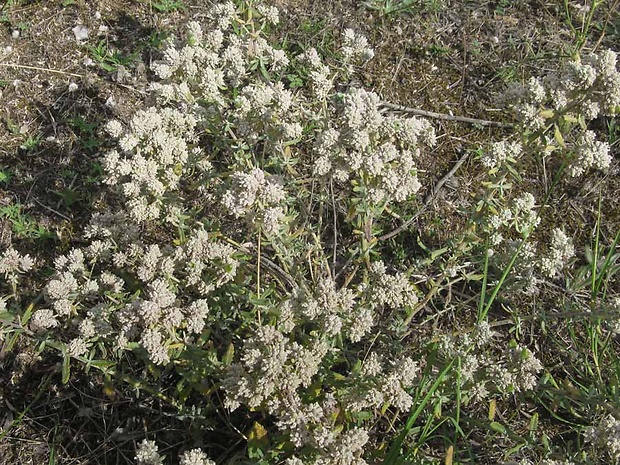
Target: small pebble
15 34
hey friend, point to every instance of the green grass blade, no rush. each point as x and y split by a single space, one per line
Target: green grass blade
392 455
499 285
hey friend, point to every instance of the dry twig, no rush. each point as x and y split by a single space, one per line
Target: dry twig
444 116
429 198
36 68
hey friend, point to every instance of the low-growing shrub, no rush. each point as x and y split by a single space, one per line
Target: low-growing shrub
242 254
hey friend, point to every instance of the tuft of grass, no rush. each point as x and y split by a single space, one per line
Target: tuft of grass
389 8
167 6
5 175
108 58
31 143
581 28
394 455
86 133
23 225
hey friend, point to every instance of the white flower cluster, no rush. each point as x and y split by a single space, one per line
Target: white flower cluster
155 149
589 153
524 367
359 142
580 91
267 112
481 370
274 370
518 216
147 453
350 313
500 153
159 145
43 319
195 457
589 86
345 448
269 13
560 251
274 373
376 386
271 370
334 311
393 291
13 264
606 436
521 216
257 196
223 85
97 285
354 49
525 217
319 73
211 61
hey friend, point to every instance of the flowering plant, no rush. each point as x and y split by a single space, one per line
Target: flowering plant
244 256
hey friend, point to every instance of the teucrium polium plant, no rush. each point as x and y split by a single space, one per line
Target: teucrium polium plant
223 164
242 260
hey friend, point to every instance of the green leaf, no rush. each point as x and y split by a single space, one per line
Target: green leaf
10 342
229 355
438 253
101 364
547 114
294 81
558 136
27 314
69 196
109 68
533 423
495 426
66 368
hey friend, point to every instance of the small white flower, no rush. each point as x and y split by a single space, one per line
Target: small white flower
77 347
80 32
195 457
110 102
147 453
